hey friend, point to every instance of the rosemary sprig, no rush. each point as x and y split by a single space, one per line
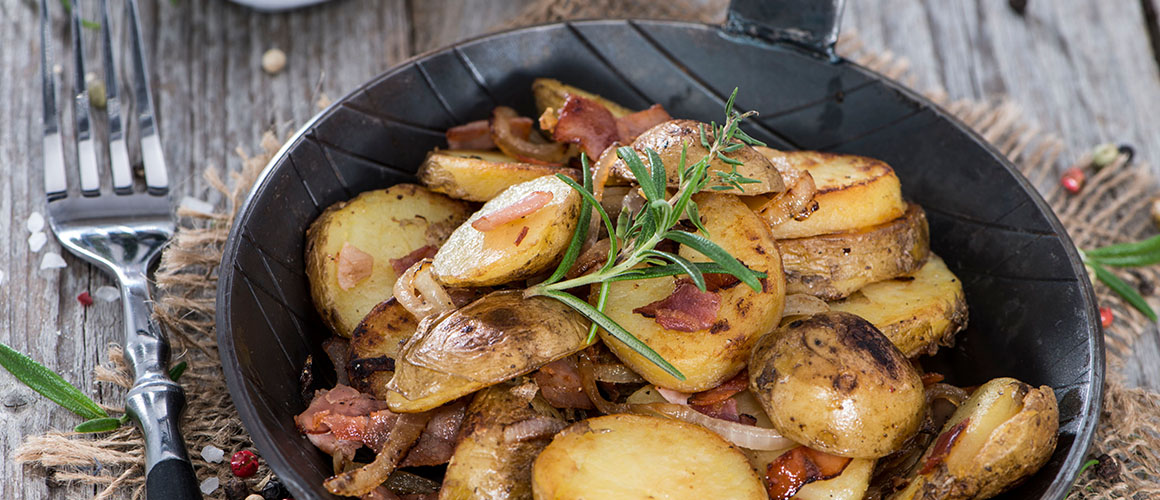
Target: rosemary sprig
1136 254
634 237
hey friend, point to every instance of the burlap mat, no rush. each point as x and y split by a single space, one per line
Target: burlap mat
1113 208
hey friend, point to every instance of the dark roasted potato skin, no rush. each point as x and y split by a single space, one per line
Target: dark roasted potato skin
832 266
833 382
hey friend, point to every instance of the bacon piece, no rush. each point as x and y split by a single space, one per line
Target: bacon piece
477 134
942 447
587 123
560 384
629 126
726 409
405 262
437 443
354 265
532 202
726 390
520 237
720 281
687 309
931 378
343 419
799 467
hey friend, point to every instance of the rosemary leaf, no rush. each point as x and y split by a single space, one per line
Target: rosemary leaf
673 270
176 371
704 139
103 424
1147 246
591 200
731 161
695 218
581 232
50 385
618 332
601 300
1128 260
1124 290
659 176
643 175
719 255
740 134
686 266
729 103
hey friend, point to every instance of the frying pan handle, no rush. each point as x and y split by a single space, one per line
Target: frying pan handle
810 24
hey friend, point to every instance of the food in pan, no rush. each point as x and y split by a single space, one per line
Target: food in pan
599 302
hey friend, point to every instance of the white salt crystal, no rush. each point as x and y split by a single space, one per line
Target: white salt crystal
35 222
52 260
209 485
37 241
212 454
196 205
1 277
108 293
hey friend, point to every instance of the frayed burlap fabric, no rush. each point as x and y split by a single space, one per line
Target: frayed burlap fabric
1112 209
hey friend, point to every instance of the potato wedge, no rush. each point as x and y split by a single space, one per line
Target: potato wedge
636 457
833 382
479 175
832 266
711 356
918 313
495 338
375 344
518 249
503 434
851 484
551 93
1005 431
386 224
852 192
668 140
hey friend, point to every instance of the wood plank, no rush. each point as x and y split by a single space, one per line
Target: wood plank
436 23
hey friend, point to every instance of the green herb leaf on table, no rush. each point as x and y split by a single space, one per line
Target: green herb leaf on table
50 385
177 370
104 424
1123 289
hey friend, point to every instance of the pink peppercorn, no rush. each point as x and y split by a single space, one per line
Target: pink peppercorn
1107 316
244 463
1073 179
85 299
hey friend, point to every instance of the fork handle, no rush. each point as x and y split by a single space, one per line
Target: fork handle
155 402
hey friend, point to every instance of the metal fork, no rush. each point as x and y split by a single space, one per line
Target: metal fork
121 231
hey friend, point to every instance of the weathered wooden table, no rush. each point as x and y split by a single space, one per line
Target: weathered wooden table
1083 68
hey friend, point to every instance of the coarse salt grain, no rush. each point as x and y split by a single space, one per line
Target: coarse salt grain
209 485
273 61
212 454
107 293
1 277
52 260
196 205
35 222
36 241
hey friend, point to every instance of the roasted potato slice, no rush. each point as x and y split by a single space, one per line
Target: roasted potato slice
375 344
503 434
385 224
479 175
1005 431
635 457
832 266
515 250
710 356
495 338
852 192
833 382
851 484
551 93
918 312
668 140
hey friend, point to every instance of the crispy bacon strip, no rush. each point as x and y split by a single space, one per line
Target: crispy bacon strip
587 123
628 127
365 479
722 392
726 409
527 206
477 134
942 447
687 309
799 467
344 420
506 137
405 262
354 265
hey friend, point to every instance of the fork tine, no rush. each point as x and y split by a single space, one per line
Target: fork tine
55 183
156 175
86 152
118 152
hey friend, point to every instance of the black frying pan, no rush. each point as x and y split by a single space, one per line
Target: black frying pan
1033 314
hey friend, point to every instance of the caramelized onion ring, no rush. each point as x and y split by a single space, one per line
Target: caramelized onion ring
505 136
796 202
419 292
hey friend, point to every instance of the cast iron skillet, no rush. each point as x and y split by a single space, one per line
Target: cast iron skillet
1032 312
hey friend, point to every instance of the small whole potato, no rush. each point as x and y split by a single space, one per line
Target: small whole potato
833 382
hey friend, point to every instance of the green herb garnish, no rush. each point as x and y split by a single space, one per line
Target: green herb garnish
1135 254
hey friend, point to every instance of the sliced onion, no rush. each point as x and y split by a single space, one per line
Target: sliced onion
532 428
953 395
746 436
800 304
616 373
674 397
419 292
505 136
796 202
588 382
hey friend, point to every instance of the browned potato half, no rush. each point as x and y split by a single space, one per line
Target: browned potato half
495 338
832 266
851 484
515 250
668 139
551 93
918 313
833 382
712 355
635 457
385 224
852 192
375 345
1005 431
479 175
502 435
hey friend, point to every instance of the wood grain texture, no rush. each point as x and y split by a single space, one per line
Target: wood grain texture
1084 69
